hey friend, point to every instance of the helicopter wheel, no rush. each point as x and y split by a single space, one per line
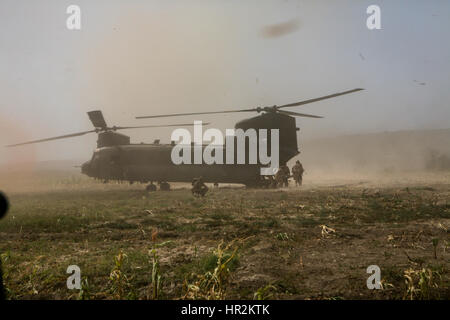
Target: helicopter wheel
164 186
151 187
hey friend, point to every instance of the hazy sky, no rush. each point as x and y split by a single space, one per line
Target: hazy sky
149 57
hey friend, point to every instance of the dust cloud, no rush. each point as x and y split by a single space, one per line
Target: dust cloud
22 159
377 154
152 64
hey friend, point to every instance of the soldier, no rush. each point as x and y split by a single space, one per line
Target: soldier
287 174
297 172
282 176
198 187
279 177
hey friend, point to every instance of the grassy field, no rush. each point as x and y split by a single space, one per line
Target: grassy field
314 242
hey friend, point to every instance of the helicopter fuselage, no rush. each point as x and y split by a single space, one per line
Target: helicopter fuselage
117 159
152 163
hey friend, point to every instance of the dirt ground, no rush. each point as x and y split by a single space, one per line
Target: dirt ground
309 242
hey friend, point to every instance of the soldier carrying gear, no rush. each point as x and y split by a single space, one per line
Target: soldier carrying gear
287 174
279 177
297 172
282 176
198 187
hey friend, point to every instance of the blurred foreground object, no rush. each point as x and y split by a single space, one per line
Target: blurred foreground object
3 209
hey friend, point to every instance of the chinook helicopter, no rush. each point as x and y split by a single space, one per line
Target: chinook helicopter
117 159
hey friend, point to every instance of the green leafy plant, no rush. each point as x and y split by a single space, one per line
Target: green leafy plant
85 291
421 284
156 276
282 236
4 259
264 293
212 285
155 288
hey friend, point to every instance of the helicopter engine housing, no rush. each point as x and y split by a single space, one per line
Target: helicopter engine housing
274 120
109 139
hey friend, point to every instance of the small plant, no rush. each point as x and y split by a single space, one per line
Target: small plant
195 252
155 288
4 258
156 276
385 284
154 235
326 231
421 284
282 236
264 293
33 279
85 291
212 285
118 278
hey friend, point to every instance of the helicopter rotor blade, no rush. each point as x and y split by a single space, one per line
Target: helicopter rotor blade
296 114
104 129
194 113
295 104
52 138
259 109
97 119
160 126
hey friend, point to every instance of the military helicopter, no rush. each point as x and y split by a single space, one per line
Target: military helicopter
117 159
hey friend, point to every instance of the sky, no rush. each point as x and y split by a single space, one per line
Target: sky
134 58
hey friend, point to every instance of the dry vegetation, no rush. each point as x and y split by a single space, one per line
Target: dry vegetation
313 242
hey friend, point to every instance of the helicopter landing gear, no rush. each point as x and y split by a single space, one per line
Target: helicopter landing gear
151 187
164 186
263 182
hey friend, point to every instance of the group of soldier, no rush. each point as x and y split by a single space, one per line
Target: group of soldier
283 174
281 179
